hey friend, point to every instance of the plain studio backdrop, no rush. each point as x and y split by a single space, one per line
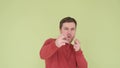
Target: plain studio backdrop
26 24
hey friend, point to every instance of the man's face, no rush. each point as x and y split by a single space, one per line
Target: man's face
69 30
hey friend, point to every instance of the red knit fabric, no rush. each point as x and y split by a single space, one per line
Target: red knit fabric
63 57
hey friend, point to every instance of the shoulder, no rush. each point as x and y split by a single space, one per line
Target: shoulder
50 40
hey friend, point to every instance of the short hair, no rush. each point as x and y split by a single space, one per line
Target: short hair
67 19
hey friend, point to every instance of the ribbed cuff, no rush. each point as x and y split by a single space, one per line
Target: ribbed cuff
78 52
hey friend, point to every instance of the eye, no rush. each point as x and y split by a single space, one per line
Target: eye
72 29
65 28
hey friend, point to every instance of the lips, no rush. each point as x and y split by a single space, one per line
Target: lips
68 38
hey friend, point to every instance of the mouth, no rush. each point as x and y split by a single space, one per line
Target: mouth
68 37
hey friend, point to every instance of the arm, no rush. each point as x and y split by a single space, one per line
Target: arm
80 59
48 49
51 46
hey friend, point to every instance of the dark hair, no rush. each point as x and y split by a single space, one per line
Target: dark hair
67 19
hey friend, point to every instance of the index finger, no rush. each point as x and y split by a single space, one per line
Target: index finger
76 41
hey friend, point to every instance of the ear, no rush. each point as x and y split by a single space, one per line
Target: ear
60 31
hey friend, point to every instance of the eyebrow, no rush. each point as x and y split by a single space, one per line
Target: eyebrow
70 28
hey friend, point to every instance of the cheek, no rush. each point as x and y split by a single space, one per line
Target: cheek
63 31
73 33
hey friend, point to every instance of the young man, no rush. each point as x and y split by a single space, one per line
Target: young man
59 52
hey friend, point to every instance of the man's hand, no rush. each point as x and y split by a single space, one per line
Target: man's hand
76 45
61 40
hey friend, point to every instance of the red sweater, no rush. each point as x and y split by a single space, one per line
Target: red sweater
63 57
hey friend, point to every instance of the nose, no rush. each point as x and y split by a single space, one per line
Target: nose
69 35
69 31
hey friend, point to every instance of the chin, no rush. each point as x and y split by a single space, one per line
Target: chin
70 40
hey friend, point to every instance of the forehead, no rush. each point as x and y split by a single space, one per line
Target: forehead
69 24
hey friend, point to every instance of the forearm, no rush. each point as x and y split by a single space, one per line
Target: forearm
80 59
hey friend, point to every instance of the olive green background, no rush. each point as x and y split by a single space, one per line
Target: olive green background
26 24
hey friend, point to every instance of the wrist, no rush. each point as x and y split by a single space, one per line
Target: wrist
56 43
77 50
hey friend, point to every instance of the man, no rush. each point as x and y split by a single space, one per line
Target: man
59 52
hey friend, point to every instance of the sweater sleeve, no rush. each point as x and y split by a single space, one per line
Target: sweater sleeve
48 49
81 61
